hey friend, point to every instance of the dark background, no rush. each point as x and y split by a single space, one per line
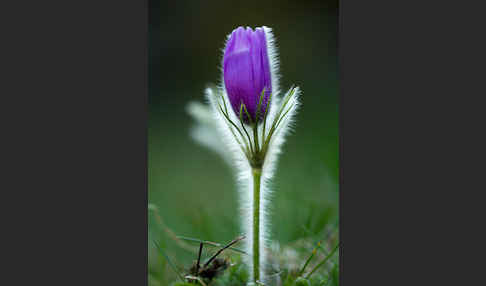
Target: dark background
191 186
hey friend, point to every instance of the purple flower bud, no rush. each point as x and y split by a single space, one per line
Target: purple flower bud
246 71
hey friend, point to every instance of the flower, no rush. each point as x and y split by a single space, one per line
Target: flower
250 80
246 71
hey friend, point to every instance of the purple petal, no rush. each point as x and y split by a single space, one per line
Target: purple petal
246 70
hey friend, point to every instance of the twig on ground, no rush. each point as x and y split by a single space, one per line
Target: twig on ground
211 243
221 250
196 278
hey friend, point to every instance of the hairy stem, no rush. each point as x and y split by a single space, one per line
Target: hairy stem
257 173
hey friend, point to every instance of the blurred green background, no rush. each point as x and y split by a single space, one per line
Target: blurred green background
191 186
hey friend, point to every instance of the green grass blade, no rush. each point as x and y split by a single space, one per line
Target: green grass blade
314 251
323 261
168 260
